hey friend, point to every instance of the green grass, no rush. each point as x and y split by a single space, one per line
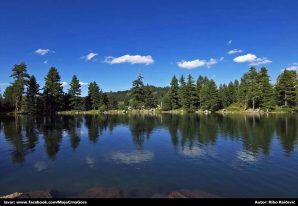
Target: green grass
235 107
278 109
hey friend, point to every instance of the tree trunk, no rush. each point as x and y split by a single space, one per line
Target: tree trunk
253 104
286 102
17 105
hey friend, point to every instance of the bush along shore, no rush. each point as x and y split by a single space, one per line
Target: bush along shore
253 93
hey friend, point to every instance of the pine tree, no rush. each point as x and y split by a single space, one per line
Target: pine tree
31 101
231 90
9 98
137 93
253 92
182 92
112 101
74 92
249 93
223 93
243 90
174 93
20 76
191 95
204 94
53 92
200 84
150 100
210 96
213 102
266 90
104 104
166 103
94 96
285 88
237 90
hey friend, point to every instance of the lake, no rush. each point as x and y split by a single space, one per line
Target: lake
143 155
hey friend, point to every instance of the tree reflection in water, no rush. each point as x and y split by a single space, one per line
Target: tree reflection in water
255 132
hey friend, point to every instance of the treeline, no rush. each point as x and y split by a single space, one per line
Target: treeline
25 95
254 90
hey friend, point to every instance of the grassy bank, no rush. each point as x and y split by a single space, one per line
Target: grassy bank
238 108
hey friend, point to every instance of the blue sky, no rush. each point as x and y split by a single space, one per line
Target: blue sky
111 41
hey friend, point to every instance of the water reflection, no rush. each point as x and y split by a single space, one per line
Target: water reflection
40 166
132 157
186 133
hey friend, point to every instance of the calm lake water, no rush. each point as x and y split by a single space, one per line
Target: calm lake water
229 156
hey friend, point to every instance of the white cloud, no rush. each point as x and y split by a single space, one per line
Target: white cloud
260 61
90 56
245 58
83 83
191 64
292 68
45 62
221 59
132 59
229 42
196 63
252 59
64 84
295 63
235 51
43 52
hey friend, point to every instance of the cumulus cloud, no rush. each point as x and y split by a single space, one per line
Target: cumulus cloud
196 63
132 157
229 42
90 56
252 59
132 59
43 52
83 83
191 64
245 58
64 84
45 62
221 59
235 51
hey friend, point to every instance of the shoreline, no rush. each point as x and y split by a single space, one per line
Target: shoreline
177 112
158 111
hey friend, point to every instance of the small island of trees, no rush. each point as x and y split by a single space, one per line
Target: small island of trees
253 92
